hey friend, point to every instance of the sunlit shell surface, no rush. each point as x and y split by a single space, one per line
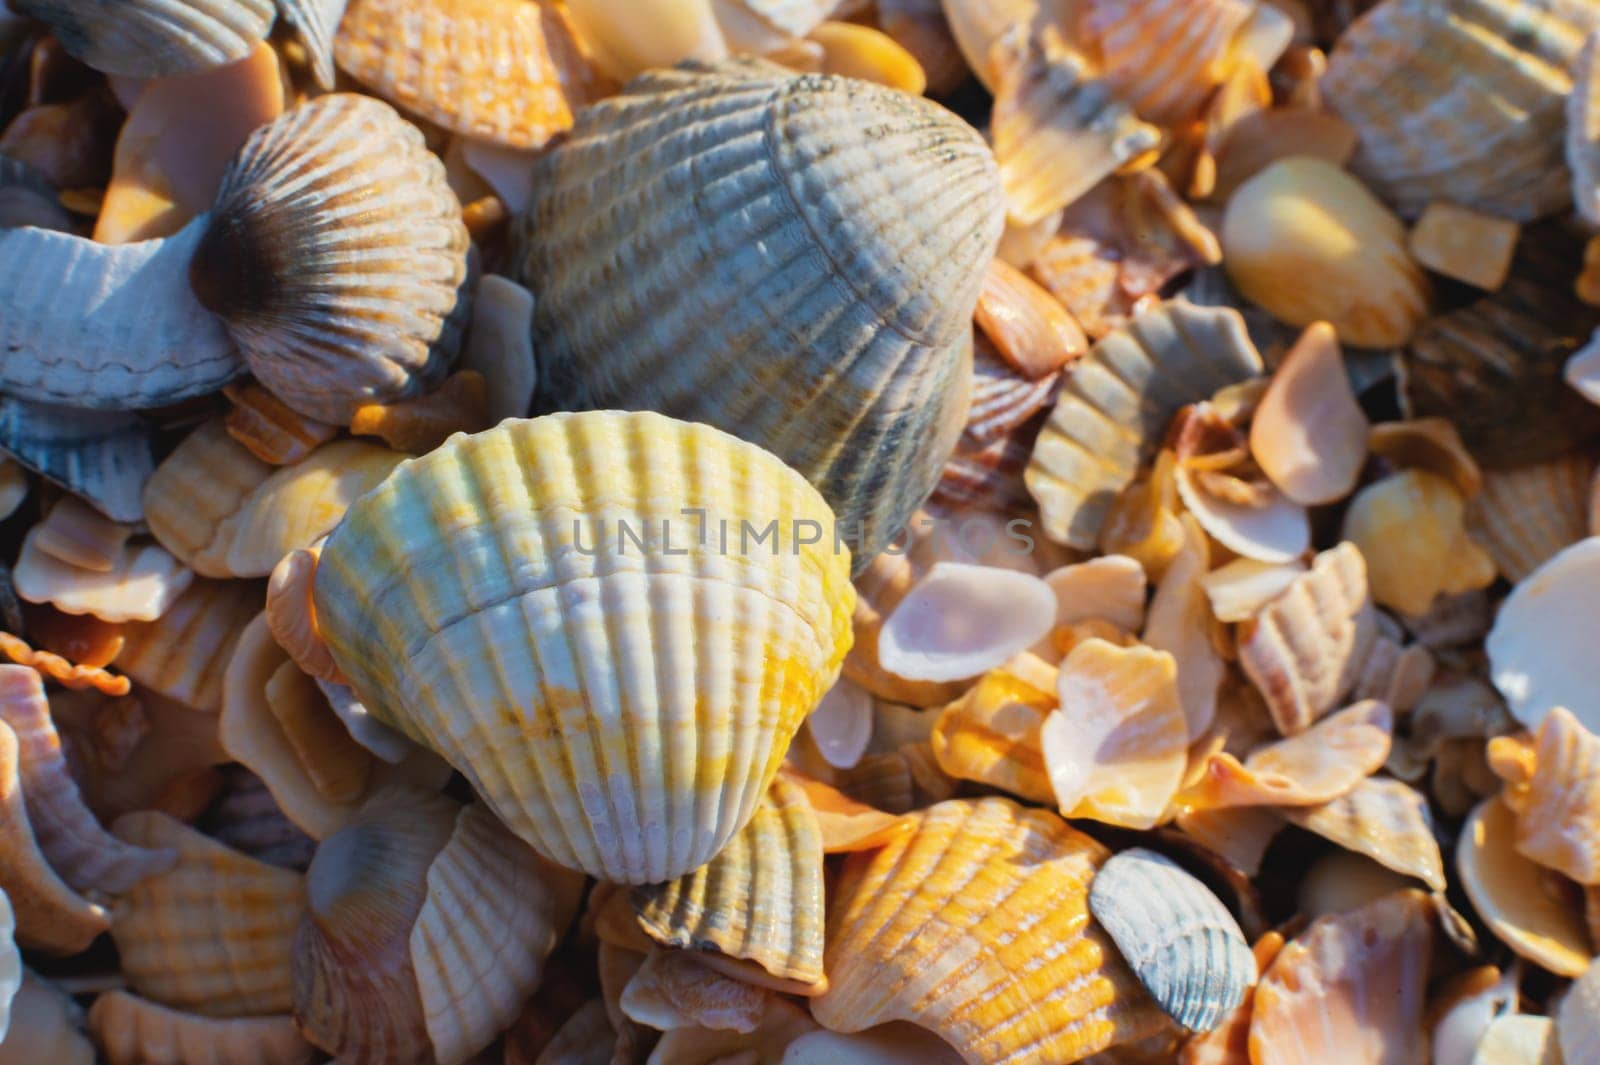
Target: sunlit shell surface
1305 648
822 309
337 258
759 898
1461 100
155 38
977 25
1351 988
523 66
1116 402
193 498
1180 623
1027 326
1555 795
136 1031
991 735
1464 244
1309 435
1182 943
1541 648
102 457
141 584
675 989
213 933
1386 820
184 653
1528 513
628 703
960 620
973 922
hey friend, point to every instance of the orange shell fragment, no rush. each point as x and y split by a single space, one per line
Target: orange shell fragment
58 669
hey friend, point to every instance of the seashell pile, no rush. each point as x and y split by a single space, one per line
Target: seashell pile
799 532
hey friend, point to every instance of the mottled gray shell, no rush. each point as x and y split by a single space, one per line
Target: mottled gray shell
792 259
1182 943
154 38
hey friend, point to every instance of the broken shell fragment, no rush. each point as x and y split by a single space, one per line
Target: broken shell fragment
142 584
1181 942
1309 434
184 653
1253 520
841 725
1464 244
852 50
1309 243
155 38
1383 819
135 1031
347 289
74 533
1027 326
1238 590
28 199
675 989
1540 651
964 873
194 496
977 25
1180 623
1518 1039
991 734
1410 528
1528 513
421 423
961 620
268 428
1555 795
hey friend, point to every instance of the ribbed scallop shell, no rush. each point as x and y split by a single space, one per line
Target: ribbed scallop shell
1352 987
1461 100
620 707
74 533
1528 513
1384 819
213 933
102 457
504 71
1557 800
135 1031
269 429
108 327
155 38
759 898
316 21
795 260
184 653
337 257
1583 131
1115 404
77 847
973 922
1305 649
1181 941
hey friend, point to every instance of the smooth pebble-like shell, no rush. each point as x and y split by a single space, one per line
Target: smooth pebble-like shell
1411 529
499 345
973 922
1386 820
103 457
961 620
1541 648
1180 940
627 740
841 725
155 38
1583 130
1528 513
135 1031
1115 404
1309 434
184 653
822 309
1555 794
336 256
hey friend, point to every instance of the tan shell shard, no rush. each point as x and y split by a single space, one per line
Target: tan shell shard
759 898
347 289
150 39
213 933
134 1031
627 39
674 989
1180 623
499 345
1309 434
1461 101
1058 125
184 653
1540 651
683 748
1313 767
193 498
1115 404
1523 905
141 585
1557 797
1179 939
109 327
1578 1018
844 823
1519 1039
1583 130
1027 326
1352 987
1305 649
991 735
75 533
1286 241
522 61
49 915
100 456
82 852
1238 590
1249 518
1528 513
1258 139
973 922
1240 835
1383 819
1116 749
269 429
1110 588
1464 244
853 373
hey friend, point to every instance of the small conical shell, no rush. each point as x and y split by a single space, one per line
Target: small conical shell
1556 795
1182 943
759 898
184 653
212 934
1527 514
103 457
1350 988
135 1031
77 847
520 59
1383 819
155 38
823 309
1461 100
1304 650
109 327
337 257
973 922
1116 402
633 702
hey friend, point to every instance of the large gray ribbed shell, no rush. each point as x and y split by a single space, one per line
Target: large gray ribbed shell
1182 943
154 38
792 259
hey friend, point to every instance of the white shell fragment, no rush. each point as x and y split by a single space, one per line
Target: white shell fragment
841 725
1182 943
961 620
1542 647
110 327
102 457
1277 530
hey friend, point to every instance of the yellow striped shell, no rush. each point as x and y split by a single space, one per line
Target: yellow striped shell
973 921
821 307
621 703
